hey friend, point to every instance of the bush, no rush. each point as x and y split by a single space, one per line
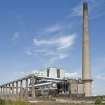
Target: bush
98 101
17 103
9 102
2 102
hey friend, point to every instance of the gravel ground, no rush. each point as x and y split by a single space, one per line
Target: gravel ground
58 103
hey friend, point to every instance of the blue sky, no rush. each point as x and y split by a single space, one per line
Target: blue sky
40 33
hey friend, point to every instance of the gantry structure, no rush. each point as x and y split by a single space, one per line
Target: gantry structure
23 88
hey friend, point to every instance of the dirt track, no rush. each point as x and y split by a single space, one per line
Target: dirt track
56 103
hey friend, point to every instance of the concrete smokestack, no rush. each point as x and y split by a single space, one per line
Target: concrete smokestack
86 70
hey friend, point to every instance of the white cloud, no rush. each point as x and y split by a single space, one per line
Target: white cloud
77 10
73 75
43 42
28 52
96 9
53 28
99 64
52 49
53 43
65 42
100 77
15 35
62 56
59 56
98 68
60 43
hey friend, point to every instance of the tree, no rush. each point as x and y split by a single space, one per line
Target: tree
98 101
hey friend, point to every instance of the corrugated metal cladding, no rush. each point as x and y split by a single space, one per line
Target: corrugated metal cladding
80 89
55 73
74 88
58 73
48 70
77 89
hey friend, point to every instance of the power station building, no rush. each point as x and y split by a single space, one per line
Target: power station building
55 73
53 81
73 86
50 82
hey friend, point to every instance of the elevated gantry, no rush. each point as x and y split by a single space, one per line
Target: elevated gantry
18 89
22 88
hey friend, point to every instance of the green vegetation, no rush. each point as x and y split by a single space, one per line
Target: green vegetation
2 102
46 98
9 102
98 101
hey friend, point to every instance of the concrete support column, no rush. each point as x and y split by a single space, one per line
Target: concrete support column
0 91
5 95
21 89
13 89
26 90
3 92
17 89
6 92
33 87
6 89
9 90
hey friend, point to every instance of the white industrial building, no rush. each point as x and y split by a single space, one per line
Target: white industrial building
54 82
51 72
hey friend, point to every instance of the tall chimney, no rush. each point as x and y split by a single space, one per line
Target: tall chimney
86 69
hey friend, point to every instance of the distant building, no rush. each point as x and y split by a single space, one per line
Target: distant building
55 73
53 82
51 72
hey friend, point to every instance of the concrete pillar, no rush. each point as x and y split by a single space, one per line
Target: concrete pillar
0 91
6 89
17 89
86 70
33 88
26 89
12 89
9 90
6 93
21 89
3 90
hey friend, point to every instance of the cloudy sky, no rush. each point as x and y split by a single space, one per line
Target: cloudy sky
36 34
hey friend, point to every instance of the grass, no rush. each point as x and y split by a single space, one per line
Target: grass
9 102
